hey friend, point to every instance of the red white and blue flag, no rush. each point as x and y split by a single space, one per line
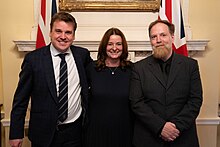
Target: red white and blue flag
47 9
171 10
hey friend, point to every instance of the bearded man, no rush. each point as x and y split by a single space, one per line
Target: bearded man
165 94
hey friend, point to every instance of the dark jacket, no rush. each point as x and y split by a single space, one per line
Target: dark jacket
37 82
155 103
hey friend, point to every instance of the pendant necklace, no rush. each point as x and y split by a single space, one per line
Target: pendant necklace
112 70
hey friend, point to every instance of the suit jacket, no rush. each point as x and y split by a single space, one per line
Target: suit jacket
155 103
37 81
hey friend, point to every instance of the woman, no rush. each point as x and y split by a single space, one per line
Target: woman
110 120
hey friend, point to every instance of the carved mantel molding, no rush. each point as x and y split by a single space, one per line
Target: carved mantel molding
137 49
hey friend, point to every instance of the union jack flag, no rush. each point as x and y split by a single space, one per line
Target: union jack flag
171 10
47 9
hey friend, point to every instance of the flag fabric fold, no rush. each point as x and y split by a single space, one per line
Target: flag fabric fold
171 10
47 9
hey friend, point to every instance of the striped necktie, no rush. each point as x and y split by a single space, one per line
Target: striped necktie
63 90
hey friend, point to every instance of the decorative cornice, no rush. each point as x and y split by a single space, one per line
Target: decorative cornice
25 45
134 46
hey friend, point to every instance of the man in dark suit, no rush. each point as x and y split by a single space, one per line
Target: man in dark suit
39 81
165 94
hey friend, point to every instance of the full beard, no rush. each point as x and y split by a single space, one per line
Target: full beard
161 52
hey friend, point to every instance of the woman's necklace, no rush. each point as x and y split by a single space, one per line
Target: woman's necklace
112 70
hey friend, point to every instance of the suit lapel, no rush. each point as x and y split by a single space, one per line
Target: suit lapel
154 67
79 63
175 67
49 73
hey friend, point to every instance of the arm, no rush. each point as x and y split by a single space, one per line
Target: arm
187 116
20 103
142 111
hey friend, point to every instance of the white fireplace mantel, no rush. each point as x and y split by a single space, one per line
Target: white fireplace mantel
137 49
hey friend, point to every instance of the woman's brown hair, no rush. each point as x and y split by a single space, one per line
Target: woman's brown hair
102 55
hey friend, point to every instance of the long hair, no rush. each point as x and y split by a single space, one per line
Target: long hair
102 55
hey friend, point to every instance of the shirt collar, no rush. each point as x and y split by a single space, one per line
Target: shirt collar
168 60
55 52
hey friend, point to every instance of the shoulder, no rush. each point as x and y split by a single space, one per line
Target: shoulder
185 59
144 61
38 53
78 49
186 63
81 53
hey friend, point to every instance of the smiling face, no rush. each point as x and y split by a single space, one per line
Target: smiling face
161 41
62 35
114 48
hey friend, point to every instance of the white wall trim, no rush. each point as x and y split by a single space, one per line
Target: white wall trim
137 49
6 122
193 45
208 121
199 121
